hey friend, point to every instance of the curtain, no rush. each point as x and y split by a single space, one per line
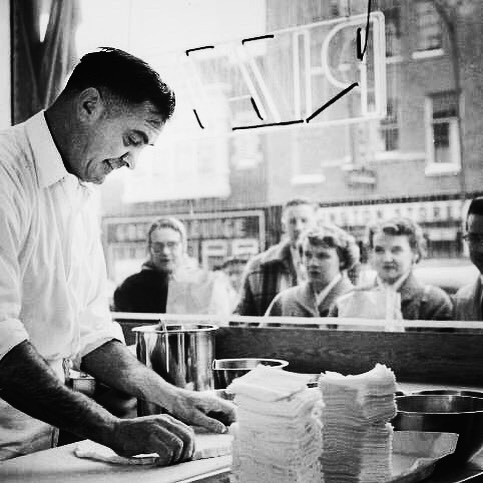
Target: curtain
40 67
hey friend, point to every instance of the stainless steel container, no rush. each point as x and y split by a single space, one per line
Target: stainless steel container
181 353
227 370
446 414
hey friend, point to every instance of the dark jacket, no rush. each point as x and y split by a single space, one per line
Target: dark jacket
145 291
468 302
266 274
300 301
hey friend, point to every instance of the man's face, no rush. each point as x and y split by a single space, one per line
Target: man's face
166 249
475 240
322 264
296 219
114 139
234 272
392 256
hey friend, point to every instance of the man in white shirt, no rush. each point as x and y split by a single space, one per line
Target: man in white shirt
53 304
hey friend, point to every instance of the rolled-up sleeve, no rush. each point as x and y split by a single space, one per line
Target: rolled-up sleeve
12 331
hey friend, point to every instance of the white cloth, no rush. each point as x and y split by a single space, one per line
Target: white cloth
53 283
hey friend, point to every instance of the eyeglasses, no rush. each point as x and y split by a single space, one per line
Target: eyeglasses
158 247
474 238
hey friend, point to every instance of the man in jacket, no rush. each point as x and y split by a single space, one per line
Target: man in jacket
468 299
279 267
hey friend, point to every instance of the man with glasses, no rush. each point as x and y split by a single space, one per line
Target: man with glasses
147 290
468 299
169 270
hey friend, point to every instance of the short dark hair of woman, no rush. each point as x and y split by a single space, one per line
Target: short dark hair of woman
124 76
331 236
401 226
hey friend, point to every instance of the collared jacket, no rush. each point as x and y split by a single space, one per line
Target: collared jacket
418 301
266 274
467 302
300 301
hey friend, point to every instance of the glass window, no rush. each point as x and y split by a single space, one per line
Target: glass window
444 130
429 28
389 128
393 31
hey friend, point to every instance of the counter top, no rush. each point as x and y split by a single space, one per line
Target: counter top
60 464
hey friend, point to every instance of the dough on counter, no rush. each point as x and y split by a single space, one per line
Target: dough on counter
206 446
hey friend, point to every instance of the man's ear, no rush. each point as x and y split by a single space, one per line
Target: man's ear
90 105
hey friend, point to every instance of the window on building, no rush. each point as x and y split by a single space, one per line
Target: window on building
429 28
389 128
443 135
393 31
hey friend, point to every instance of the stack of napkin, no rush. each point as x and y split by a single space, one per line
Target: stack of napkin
277 437
357 444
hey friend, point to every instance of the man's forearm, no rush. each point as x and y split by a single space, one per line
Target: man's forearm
114 365
28 384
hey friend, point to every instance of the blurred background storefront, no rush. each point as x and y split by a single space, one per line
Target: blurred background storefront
407 140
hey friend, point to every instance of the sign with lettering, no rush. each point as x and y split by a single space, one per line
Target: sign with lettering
228 225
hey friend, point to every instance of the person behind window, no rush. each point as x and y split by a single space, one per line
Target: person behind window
170 281
327 253
468 300
279 267
147 290
233 268
53 284
395 246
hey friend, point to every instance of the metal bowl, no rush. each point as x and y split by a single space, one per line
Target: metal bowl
447 413
227 370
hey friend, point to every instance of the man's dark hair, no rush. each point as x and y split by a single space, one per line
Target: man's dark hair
475 208
298 202
124 76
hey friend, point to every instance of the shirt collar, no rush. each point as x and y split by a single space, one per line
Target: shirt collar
48 162
320 297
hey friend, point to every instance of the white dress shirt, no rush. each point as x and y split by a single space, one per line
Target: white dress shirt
53 283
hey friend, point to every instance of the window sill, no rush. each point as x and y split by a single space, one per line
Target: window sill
394 59
441 170
427 54
308 179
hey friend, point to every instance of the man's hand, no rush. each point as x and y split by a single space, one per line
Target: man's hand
203 409
162 434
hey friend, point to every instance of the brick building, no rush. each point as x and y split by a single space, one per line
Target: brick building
421 160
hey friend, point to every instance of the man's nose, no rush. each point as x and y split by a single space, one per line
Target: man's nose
131 159
299 225
387 256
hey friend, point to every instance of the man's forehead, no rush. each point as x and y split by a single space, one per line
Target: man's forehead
165 233
299 210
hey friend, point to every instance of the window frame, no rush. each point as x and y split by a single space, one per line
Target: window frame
432 166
